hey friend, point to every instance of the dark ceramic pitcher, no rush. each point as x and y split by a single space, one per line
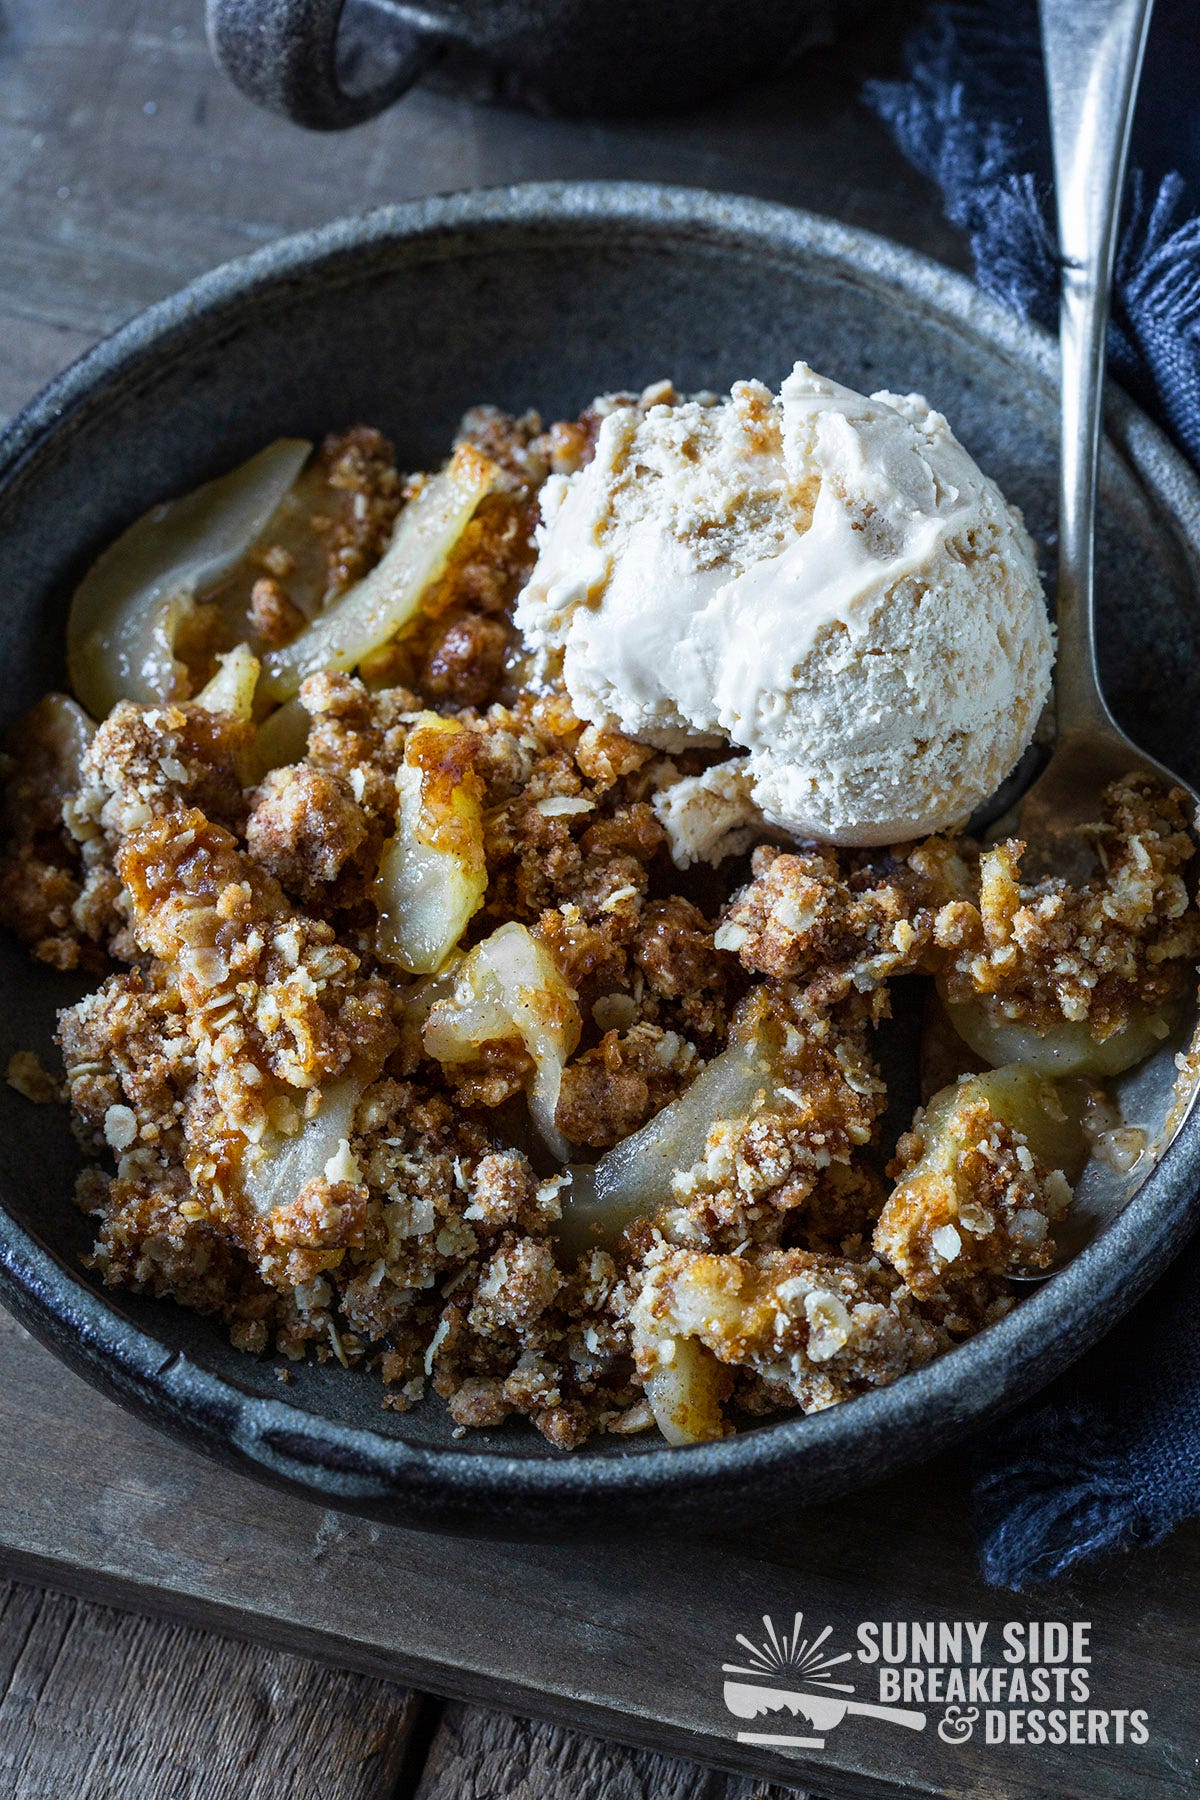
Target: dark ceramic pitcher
332 63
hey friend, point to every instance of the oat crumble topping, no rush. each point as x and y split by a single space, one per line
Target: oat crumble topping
338 1154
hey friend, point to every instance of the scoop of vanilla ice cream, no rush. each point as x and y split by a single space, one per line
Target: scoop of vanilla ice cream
823 581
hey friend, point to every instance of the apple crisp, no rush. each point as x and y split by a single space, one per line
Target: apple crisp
411 1046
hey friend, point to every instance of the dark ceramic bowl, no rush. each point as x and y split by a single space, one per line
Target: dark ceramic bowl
546 296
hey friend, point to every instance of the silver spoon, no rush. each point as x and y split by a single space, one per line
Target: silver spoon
1093 54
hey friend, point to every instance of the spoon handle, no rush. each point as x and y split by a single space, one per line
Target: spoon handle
1093 53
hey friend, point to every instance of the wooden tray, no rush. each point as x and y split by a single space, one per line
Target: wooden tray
627 1640
135 166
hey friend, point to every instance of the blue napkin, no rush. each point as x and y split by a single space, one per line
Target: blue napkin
1110 1457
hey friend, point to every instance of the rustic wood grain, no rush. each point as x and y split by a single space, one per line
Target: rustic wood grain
125 1707
618 1639
130 166
97 1703
481 1755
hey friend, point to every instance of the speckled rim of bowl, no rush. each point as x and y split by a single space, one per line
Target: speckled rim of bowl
759 1471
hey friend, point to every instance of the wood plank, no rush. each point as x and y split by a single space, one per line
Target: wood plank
481 1755
97 1702
127 1706
624 1639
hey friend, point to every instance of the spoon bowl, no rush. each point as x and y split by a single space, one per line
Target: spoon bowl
1053 814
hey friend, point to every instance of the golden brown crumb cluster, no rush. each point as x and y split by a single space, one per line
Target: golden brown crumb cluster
1098 953
277 1143
984 1214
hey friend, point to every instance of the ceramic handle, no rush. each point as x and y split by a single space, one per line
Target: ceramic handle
325 64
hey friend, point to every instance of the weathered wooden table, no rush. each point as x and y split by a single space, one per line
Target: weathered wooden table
129 167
